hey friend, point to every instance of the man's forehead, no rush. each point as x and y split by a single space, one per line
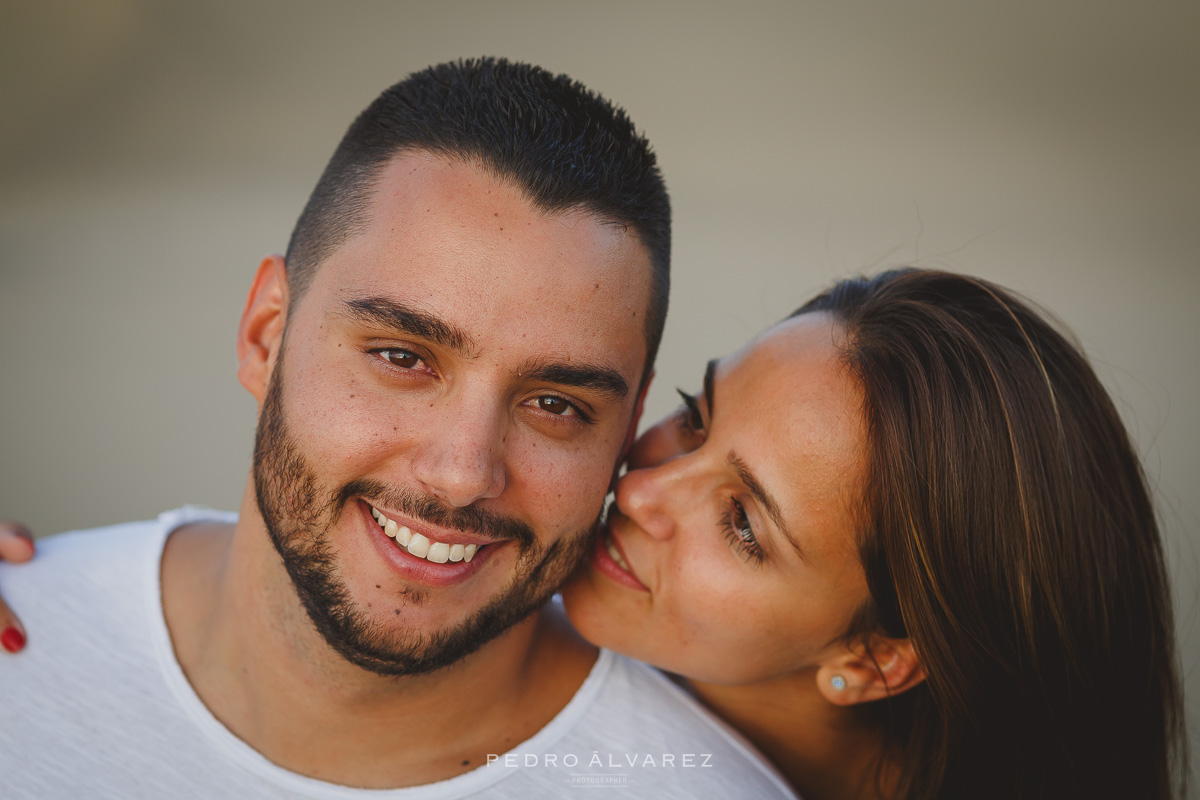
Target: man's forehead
416 184
450 240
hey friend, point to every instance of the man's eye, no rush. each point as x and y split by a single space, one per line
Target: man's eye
556 405
401 358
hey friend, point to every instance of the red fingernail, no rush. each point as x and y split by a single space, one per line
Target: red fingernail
12 639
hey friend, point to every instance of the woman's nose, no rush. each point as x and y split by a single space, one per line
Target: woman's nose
645 497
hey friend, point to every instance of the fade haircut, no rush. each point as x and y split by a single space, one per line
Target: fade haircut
565 146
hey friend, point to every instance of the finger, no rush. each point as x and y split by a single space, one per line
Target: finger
12 633
16 543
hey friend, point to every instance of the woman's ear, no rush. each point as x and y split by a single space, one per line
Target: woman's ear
875 669
261 329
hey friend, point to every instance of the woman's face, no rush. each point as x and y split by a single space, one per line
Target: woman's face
731 553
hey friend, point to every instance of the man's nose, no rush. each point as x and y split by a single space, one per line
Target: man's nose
462 456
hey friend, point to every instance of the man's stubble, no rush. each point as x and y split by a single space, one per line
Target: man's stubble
299 511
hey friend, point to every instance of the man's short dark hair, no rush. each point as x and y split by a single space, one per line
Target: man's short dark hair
562 144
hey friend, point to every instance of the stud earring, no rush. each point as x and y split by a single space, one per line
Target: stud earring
838 682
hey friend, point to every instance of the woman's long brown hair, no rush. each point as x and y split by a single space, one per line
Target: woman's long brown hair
1010 534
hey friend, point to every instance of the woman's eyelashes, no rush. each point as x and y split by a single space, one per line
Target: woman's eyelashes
690 418
740 534
734 522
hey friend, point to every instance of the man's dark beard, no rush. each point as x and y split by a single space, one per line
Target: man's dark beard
298 511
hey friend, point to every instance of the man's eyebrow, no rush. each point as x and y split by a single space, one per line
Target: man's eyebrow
764 498
605 381
397 316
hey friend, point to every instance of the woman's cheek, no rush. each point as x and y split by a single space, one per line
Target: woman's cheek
710 598
654 447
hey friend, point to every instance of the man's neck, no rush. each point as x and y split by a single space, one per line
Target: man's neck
255 659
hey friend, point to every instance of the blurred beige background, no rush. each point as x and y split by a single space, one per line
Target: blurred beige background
151 153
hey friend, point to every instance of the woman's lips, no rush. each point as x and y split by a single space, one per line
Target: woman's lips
609 560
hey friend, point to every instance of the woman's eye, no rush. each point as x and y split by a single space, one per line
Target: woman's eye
556 405
739 533
690 418
401 358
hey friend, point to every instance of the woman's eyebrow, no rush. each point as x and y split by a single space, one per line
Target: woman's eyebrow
764 499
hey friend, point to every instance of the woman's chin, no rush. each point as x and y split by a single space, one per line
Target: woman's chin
594 619
577 594
579 576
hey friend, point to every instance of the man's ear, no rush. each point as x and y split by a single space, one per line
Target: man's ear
879 668
261 329
631 434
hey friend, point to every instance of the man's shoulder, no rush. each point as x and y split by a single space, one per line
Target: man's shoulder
91 542
77 573
115 541
79 558
97 704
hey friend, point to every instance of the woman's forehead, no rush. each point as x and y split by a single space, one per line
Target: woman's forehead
794 411
801 354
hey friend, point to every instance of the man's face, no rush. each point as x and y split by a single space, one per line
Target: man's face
466 369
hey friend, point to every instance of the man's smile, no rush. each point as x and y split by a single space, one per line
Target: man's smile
434 557
421 546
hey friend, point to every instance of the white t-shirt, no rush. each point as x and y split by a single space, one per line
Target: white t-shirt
97 706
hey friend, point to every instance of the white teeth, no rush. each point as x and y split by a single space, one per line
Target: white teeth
615 554
420 546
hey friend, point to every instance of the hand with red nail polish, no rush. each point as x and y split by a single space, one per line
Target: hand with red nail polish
12 639
16 544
